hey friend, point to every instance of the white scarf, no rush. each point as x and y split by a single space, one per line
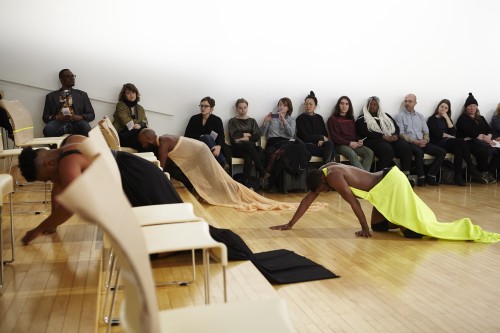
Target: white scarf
386 126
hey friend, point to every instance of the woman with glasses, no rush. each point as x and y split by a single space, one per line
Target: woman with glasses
442 133
312 130
382 136
129 117
208 128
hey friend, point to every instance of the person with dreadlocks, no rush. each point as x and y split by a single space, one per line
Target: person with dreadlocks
143 182
395 205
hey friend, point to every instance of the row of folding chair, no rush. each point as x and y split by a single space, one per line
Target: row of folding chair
139 308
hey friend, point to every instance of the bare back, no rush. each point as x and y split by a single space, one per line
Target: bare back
71 165
168 142
340 175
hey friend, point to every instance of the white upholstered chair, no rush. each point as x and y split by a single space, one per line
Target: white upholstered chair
140 313
23 126
6 189
162 226
111 135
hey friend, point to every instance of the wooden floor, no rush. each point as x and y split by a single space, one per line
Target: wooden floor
387 284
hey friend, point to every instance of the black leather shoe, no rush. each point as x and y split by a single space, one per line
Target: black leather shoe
421 182
431 180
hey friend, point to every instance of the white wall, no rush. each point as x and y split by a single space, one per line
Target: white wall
178 52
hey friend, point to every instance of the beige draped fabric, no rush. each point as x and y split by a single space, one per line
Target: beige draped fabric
215 186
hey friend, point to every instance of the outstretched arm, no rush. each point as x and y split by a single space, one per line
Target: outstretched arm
343 189
163 154
58 216
303 206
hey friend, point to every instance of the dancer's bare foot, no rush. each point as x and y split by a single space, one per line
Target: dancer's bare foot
34 233
30 236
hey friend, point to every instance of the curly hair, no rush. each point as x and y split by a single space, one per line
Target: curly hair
27 163
313 179
130 87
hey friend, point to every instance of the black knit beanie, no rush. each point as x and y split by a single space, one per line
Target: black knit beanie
470 100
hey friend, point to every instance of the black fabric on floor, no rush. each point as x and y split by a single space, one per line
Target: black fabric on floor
277 266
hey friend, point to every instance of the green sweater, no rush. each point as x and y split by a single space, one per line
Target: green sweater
123 114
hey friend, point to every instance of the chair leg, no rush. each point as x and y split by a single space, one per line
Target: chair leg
111 289
1 252
224 282
110 320
206 262
11 231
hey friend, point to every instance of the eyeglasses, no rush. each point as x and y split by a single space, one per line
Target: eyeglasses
408 101
70 76
204 106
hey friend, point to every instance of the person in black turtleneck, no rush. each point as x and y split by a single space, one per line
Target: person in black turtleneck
312 130
129 117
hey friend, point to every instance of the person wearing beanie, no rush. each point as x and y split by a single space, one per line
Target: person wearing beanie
475 129
442 133
414 130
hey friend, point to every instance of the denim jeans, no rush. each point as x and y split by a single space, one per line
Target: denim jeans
210 142
59 128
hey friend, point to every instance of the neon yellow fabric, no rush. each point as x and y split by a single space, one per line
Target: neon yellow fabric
395 199
214 184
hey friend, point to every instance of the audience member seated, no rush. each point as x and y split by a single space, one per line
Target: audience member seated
382 136
342 128
495 124
312 130
476 131
442 133
67 110
278 128
414 130
208 128
5 122
244 133
129 117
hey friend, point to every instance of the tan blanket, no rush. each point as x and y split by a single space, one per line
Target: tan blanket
215 186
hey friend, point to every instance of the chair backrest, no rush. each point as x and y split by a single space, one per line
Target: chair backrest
110 133
96 145
89 196
22 122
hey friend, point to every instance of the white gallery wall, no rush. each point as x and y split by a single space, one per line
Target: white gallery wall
179 52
